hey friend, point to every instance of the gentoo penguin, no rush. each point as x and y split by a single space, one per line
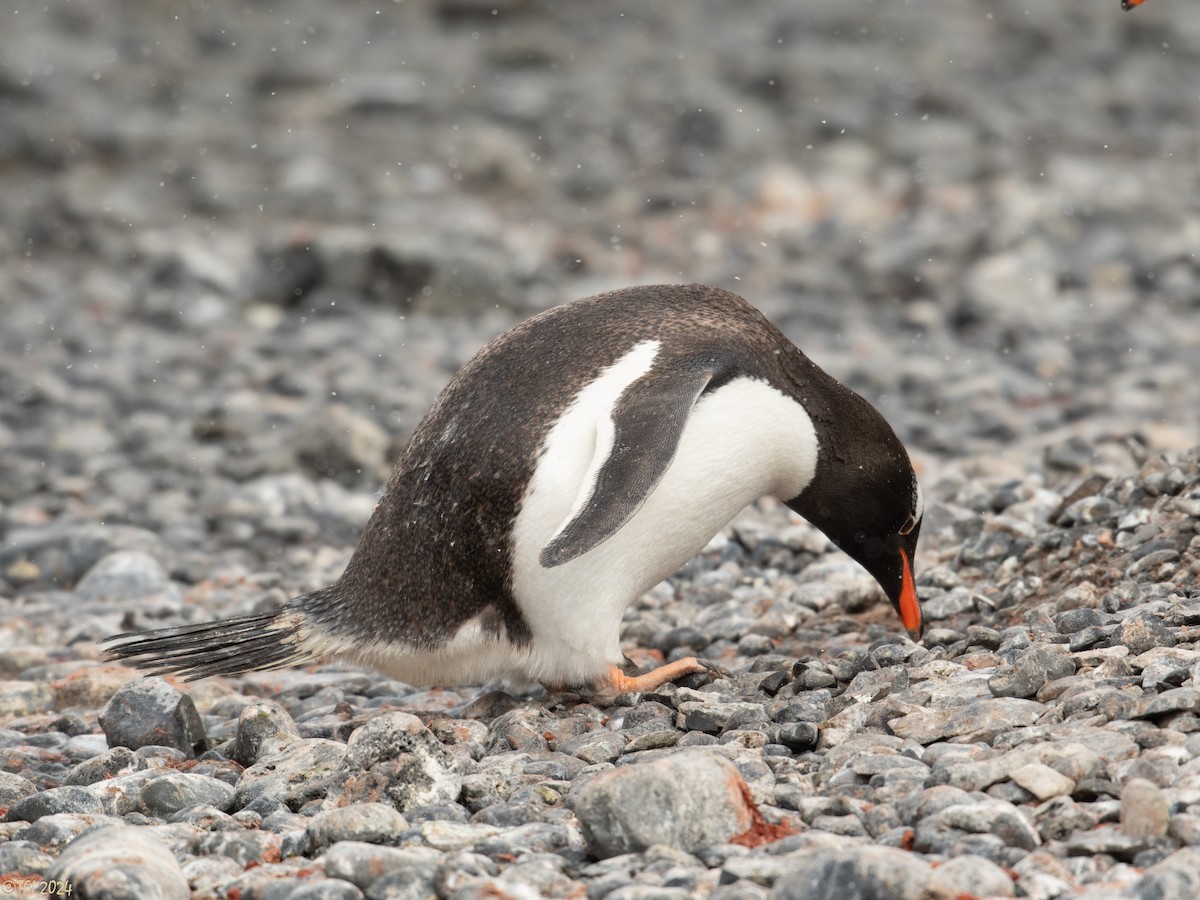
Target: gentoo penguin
576 461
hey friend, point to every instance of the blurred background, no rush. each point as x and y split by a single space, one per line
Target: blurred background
247 241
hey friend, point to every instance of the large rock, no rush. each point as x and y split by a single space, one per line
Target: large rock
689 800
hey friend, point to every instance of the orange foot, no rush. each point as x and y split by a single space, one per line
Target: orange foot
617 682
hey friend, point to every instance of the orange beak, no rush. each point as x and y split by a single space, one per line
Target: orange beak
910 608
1130 4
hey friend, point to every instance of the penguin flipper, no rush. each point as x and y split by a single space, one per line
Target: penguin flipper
646 424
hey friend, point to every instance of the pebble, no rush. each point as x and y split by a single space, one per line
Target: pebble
978 720
1145 810
1042 781
293 773
395 758
167 794
260 726
1038 665
53 801
150 712
371 823
857 872
125 575
363 864
120 862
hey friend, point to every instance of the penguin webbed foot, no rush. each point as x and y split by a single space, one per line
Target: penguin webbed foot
616 682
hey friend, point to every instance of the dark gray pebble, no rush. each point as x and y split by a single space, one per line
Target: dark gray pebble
148 711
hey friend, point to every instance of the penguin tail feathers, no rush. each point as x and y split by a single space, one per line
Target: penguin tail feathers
225 647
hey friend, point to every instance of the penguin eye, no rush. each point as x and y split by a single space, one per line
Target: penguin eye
909 524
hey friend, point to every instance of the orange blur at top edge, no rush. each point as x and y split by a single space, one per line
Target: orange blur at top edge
1130 4
910 607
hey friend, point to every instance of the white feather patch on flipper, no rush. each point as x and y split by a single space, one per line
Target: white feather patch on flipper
587 429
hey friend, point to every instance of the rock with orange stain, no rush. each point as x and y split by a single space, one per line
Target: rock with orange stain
688 800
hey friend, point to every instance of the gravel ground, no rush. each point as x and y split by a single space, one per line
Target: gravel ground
242 249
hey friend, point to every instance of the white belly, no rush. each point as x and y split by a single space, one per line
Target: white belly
742 441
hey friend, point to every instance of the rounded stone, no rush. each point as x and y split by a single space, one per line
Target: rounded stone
628 809
150 712
119 862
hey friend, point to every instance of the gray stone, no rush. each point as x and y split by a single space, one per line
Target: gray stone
979 720
362 864
370 823
344 445
1108 841
293 773
1040 664
1042 781
1177 877
14 787
1145 810
246 847
1060 817
451 836
395 758
167 794
25 857
1141 633
123 576
151 712
1182 699
864 873
121 863
631 808
972 876
109 764
25 698
534 837
63 553
995 817
122 794
259 725
68 799
595 747
325 889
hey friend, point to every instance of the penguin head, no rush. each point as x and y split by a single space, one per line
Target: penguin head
868 503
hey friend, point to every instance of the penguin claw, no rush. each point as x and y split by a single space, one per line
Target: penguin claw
711 668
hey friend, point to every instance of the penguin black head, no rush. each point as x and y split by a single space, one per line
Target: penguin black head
866 499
